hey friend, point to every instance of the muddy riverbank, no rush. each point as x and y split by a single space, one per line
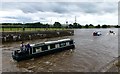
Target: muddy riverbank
22 36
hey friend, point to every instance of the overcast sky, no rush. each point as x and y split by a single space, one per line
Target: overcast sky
49 12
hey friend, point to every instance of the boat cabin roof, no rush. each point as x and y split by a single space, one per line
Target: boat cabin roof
50 42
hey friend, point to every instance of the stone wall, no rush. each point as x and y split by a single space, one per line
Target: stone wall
22 36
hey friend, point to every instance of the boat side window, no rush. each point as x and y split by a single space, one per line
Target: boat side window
52 46
48 47
44 47
62 44
38 49
67 43
56 45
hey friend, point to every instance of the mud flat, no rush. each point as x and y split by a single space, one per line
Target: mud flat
28 35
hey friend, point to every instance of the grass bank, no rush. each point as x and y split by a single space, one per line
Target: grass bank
28 29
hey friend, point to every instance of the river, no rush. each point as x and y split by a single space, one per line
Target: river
90 54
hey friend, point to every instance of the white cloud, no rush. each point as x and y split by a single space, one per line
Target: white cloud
108 18
86 13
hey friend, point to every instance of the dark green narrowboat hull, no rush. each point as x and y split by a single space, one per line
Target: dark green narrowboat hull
30 56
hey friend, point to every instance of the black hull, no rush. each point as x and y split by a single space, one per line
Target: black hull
26 57
96 35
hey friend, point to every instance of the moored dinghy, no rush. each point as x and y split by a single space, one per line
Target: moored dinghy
43 48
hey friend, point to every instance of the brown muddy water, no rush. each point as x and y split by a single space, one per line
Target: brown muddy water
90 55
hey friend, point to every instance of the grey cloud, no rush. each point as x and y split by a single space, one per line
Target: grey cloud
19 18
25 19
34 7
88 7
62 7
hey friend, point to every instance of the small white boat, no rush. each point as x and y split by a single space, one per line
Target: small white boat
97 33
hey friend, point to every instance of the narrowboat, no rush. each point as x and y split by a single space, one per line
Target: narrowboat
43 48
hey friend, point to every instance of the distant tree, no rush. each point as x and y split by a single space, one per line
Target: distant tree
70 26
6 23
57 25
98 26
104 26
47 25
117 26
108 26
91 25
86 26
75 25
79 26
38 24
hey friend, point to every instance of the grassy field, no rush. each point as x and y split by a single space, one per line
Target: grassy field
28 29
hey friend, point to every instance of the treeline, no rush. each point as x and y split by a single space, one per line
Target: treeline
55 25
76 25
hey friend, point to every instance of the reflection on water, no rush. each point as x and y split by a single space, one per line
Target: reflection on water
90 54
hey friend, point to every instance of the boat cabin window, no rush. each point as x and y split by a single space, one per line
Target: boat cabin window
52 46
44 47
67 43
62 44
38 49
48 47
57 46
